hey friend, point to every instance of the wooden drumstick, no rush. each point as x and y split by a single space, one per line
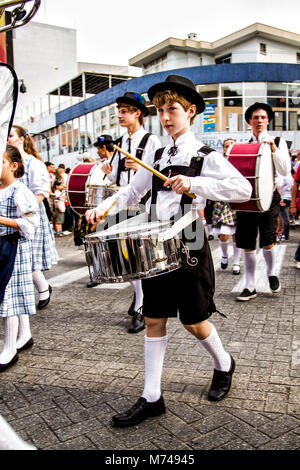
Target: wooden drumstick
109 209
155 172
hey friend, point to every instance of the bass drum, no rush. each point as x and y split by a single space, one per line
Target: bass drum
254 162
80 176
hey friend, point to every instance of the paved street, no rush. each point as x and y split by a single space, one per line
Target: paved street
84 367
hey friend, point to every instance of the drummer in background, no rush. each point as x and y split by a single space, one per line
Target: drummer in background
138 142
189 290
249 224
105 150
104 146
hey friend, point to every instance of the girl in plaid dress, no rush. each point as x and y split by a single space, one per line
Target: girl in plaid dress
37 180
19 217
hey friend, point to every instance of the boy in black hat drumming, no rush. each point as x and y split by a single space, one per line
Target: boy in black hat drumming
249 224
137 141
191 167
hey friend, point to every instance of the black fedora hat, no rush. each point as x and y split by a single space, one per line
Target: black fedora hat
134 99
104 139
256 106
183 86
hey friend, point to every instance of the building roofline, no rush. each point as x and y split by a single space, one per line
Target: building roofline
254 30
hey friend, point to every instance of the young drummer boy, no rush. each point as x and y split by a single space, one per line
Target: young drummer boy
131 113
189 291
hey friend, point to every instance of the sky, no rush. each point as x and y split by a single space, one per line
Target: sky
112 32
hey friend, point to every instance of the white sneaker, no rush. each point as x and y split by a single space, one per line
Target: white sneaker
297 264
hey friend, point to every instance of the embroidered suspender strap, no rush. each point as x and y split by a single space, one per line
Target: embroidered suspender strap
142 145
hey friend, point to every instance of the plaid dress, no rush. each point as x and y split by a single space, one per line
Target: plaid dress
43 244
19 294
223 214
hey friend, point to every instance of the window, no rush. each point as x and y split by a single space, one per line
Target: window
298 57
263 48
225 59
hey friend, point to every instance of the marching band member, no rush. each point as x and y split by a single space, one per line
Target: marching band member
249 224
136 140
189 166
37 180
19 217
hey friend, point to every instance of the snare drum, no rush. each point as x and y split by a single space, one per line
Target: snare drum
254 162
131 252
84 177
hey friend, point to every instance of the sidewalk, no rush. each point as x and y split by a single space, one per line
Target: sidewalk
84 367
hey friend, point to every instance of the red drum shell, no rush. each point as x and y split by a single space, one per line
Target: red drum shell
246 158
76 187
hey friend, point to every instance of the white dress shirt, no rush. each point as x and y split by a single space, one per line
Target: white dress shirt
153 143
219 181
281 157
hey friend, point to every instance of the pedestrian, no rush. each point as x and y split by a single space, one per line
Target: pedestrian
36 178
295 210
189 166
19 217
131 113
250 224
284 187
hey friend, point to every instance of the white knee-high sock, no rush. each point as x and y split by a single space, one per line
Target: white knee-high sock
224 248
270 259
9 439
24 333
139 296
250 265
10 339
236 254
214 346
155 349
41 284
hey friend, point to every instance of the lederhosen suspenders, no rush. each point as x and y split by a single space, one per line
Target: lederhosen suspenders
138 154
193 170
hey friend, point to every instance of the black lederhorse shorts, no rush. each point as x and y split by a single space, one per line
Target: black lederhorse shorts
188 292
250 224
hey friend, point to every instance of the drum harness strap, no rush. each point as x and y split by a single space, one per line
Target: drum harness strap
139 153
194 169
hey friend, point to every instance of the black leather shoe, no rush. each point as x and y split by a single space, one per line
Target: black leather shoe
138 323
131 308
221 383
43 303
10 363
27 345
92 284
140 411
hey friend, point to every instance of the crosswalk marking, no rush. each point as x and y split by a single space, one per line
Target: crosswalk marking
262 284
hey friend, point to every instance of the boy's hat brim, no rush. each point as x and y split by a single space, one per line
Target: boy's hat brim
256 106
183 86
103 140
134 99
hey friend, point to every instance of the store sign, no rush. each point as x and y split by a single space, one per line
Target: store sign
209 118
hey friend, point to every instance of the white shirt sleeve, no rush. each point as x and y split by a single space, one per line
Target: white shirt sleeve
131 194
38 177
27 212
281 158
220 181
